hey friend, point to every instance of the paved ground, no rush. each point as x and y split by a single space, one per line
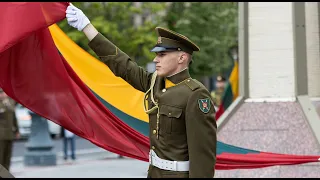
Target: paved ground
81 144
106 165
92 162
109 165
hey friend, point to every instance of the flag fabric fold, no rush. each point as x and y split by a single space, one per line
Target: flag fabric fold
33 73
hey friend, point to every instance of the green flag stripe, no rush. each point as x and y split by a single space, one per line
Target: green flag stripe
137 124
227 97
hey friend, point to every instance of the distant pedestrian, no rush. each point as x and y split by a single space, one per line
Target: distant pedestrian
68 138
217 94
8 129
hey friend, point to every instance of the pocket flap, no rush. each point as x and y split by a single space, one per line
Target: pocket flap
170 111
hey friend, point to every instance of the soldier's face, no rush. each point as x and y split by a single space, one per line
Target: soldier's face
220 84
166 63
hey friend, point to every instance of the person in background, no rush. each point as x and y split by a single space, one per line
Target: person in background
8 128
217 94
68 138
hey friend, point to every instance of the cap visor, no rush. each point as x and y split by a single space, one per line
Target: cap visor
158 49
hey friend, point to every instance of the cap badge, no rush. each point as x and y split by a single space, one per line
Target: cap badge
159 40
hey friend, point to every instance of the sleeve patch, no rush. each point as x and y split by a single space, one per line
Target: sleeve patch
204 105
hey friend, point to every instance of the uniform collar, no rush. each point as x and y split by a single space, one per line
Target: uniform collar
177 78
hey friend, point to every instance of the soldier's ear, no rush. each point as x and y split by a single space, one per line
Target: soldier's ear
183 57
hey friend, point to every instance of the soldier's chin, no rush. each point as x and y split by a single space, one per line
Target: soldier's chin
161 74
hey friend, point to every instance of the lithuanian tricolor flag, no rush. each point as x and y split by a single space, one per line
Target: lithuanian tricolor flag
78 92
232 90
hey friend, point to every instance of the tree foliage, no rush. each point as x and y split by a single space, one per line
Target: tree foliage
115 21
211 25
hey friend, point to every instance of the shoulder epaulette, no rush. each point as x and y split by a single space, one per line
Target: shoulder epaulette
193 84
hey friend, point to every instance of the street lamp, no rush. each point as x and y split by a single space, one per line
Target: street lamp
40 147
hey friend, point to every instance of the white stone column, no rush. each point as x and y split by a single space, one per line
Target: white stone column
313 55
271 51
274 114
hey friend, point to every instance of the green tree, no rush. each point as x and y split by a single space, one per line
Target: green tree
115 21
211 25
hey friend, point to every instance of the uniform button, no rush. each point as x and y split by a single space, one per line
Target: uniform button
154 131
169 113
164 90
153 147
188 80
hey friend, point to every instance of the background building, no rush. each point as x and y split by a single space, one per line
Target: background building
279 67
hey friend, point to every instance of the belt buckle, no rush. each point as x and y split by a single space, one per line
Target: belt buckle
175 165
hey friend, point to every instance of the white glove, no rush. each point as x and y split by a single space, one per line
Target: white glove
76 18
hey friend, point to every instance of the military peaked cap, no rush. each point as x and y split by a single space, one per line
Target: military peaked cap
172 41
221 78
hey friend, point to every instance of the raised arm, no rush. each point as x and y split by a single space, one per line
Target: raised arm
90 31
118 62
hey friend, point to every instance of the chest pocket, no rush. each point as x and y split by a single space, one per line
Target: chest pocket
171 119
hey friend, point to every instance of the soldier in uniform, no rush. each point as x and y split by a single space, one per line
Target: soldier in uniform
217 94
183 130
8 128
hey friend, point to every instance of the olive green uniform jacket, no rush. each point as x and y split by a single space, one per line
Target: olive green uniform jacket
4 173
8 130
8 121
187 126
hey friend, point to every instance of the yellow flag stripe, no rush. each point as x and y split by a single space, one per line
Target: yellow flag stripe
234 80
99 78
